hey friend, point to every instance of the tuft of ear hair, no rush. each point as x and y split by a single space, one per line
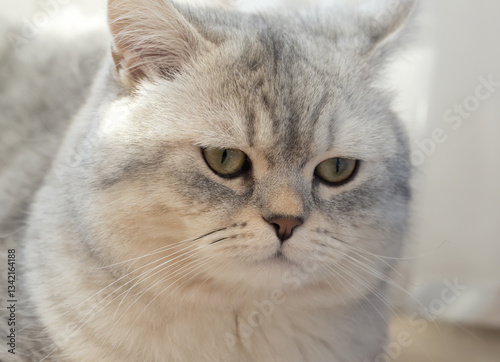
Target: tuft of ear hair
151 39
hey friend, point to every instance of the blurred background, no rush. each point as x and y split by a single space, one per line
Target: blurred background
449 86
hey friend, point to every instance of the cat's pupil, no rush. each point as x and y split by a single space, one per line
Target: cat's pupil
224 156
337 167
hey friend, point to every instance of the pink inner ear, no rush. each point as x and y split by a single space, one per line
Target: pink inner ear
127 65
151 39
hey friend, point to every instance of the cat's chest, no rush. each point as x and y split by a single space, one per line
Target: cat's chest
273 331
259 332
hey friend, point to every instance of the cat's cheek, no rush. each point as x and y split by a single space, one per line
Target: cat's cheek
249 241
126 224
255 244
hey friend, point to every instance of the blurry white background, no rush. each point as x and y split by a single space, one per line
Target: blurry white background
450 86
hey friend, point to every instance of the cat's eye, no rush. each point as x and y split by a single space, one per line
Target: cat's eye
336 171
226 162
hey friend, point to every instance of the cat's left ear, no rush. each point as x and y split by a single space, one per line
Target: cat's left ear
387 28
151 39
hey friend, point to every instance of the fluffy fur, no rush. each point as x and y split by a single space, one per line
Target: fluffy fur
132 249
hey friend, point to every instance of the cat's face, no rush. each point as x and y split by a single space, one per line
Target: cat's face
195 174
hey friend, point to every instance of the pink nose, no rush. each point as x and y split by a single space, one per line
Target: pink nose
284 226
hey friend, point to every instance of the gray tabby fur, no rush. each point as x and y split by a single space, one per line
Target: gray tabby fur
130 248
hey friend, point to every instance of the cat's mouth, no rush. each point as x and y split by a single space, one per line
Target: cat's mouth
279 258
279 255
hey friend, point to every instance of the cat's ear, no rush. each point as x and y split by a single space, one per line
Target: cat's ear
387 28
151 39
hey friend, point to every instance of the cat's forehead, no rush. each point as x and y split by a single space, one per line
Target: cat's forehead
268 90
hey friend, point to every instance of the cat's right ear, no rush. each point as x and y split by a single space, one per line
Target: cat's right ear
151 39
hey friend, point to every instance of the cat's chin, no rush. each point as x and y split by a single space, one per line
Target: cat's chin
276 270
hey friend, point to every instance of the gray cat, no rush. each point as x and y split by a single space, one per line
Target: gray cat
223 191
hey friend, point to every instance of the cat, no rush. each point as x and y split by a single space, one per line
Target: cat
230 187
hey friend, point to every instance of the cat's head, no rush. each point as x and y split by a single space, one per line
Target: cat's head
244 150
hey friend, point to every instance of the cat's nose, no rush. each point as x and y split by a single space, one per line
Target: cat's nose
284 226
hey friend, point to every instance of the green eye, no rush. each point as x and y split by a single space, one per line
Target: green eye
225 161
336 170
